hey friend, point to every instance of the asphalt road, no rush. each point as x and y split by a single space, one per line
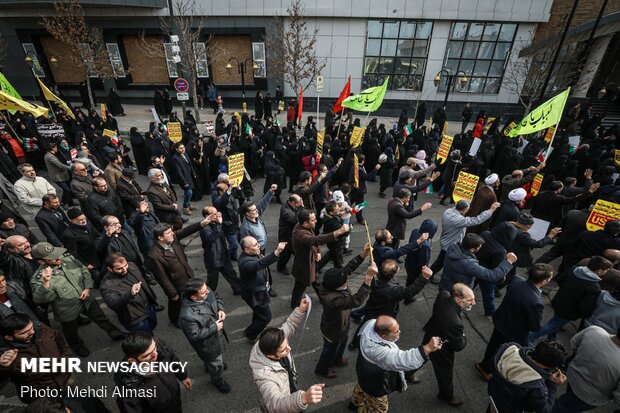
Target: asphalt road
306 345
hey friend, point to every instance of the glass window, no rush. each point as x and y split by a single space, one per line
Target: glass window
373 47
115 59
172 66
390 30
258 56
375 27
482 55
390 46
30 51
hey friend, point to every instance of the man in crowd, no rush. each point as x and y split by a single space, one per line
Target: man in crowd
164 199
9 227
126 292
30 189
256 283
273 368
168 263
82 183
158 392
453 227
381 364
286 224
58 172
116 239
227 202
11 302
251 222
101 202
398 215
520 313
306 248
337 301
114 170
517 179
129 191
65 283
202 321
52 220
185 175
79 240
216 253
447 322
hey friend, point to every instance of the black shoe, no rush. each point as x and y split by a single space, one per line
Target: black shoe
159 308
222 386
251 340
272 293
406 301
184 220
83 320
284 271
443 202
381 195
80 350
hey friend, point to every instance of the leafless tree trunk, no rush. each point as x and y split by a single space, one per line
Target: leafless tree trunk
68 25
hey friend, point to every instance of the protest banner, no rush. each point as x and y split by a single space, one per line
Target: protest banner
549 134
508 128
356 171
174 131
535 189
617 157
465 187
104 115
444 148
356 136
602 212
210 128
235 169
51 132
320 137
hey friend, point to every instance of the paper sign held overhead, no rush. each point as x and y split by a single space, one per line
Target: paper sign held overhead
465 187
602 212
235 169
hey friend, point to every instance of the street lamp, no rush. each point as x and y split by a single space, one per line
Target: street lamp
460 76
241 69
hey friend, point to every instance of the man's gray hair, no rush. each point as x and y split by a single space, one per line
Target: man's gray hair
152 172
222 178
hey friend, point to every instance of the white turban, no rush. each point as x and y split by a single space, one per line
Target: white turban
491 179
517 195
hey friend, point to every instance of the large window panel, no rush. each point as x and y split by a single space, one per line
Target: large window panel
172 67
258 55
115 59
398 49
482 56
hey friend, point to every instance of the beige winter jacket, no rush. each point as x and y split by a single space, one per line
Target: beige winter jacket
272 379
30 193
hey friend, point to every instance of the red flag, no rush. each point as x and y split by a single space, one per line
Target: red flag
343 95
300 108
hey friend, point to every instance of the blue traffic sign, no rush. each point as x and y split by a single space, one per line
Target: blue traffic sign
181 85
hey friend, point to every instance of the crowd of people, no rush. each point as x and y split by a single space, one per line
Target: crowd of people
97 232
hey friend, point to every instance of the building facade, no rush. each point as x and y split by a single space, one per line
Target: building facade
410 41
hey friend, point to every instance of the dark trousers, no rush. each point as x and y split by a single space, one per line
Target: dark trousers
174 311
337 258
285 256
67 196
215 368
319 222
229 274
496 340
438 264
330 355
95 313
443 365
261 316
148 324
570 403
298 293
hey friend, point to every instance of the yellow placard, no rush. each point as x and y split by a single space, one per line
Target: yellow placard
444 148
617 157
549 134
320 137
356 171
281 105
110 133
104 114
356 136
602 212
235 169
508 128
536 182
445 127
174 131
488 124
465 187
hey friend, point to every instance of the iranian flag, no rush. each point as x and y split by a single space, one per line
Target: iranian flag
357 208
408 130
248 130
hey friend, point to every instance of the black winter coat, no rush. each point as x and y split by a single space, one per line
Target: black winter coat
446 322
168 398
577 296
183 172
496 245
216 253
79 240
288 220
52 224
130 194
98 205
386 295
255 278
197 321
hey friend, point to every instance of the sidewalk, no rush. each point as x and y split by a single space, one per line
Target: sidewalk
141 116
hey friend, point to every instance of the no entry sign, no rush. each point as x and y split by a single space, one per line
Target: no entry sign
181 85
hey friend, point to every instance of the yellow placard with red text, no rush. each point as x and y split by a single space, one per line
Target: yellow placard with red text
602 212
320 137
174 131
104 112
444 148
617 157
235 169
549 134
356 171
465 187
536 182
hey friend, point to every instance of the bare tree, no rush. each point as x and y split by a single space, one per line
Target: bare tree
293 49
68 25
187 23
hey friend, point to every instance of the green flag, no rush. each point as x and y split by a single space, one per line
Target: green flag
368 100
546 115
7 87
